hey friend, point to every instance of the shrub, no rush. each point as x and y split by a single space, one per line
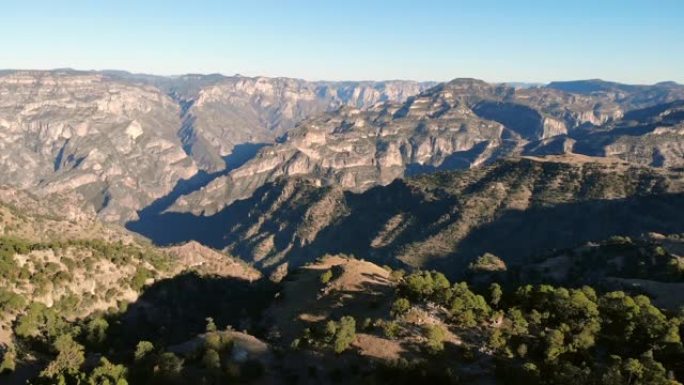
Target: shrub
143 350
8 363
487 263
139 278
400 306
346 333
390 329
326 276
435 335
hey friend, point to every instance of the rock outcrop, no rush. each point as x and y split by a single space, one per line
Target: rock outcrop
460 124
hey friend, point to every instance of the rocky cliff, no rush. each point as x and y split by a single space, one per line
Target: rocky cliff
112 142
122 141
460 124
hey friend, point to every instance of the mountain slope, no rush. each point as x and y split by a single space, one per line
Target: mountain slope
512 208
113 143
649 136
122 141
72 267
628 95
460 124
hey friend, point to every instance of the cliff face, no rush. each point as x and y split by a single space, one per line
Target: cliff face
122 141
236 110
460 124
650 136
114 143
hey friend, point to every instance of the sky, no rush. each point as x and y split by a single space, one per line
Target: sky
506 40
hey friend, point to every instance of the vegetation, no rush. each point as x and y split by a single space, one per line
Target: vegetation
487 262
326 276
536 334
435 335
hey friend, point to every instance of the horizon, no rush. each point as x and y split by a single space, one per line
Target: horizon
177 75
531 41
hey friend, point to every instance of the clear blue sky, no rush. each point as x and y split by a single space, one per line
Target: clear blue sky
506 40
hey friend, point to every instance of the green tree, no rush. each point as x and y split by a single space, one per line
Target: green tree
346 333
467 308
326 276
211 359
330 331
8 363
400 306
497 341
139 278
96 331
518 323
435 335
419 285
143 350
495 294
211 326
170 366
108 374
70 357
390 329
555 344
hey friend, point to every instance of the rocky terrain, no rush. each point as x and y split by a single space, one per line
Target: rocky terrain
125 142
122 141
238 110
460 124
113 143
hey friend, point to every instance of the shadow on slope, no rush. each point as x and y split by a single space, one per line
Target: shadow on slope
400 219
168 228
149 217
518 235
175 310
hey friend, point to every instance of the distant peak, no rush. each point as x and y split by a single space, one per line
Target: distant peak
669 83
469 82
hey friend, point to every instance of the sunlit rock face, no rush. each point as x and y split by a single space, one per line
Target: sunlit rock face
459 124
112 142
123 140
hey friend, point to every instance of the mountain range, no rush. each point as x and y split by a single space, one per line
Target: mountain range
121 141
228 229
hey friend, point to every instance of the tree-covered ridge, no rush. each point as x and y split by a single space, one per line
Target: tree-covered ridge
368 325
535 334
443 220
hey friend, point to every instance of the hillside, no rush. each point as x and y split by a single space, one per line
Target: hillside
56 270
348 321
442 220
126 143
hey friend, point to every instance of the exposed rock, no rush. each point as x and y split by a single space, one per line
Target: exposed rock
111 142
122 141
460 124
